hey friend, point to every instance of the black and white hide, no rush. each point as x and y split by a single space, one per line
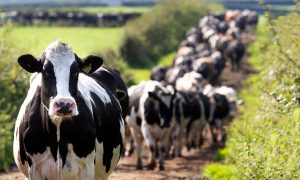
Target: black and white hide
174 73
70 124
190 82
199 115
112 79
223 108
158 73
182 115
206 67
150 119
234 52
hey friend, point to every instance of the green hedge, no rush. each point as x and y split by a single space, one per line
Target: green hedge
264 143
161 29
13 86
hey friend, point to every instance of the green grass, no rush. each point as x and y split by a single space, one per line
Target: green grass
167 60
221 171
82 40
140 74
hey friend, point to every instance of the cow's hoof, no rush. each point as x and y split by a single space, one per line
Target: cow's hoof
161 168
139 167
151 166
139 164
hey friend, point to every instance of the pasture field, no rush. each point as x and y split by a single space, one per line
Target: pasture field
104 9
83 40
92 9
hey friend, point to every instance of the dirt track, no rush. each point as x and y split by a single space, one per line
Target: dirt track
187 167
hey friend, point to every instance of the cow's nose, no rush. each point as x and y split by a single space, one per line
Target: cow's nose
64 106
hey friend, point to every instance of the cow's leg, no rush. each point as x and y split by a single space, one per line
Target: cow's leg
138 140
34 173
176 135
219 133
197 134
212 136
179 142
169 142
162 153
151 147
232 64
129 143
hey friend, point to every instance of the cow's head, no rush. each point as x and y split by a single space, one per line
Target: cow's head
165 100
59 67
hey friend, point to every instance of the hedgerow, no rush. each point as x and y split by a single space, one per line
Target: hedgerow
264 143
13 86
160 30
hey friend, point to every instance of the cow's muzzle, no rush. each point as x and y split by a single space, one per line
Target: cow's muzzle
63 107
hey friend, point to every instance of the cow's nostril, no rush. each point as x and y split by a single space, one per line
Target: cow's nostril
61 104
64 108
56 104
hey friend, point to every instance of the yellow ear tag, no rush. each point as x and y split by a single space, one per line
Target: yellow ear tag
87 68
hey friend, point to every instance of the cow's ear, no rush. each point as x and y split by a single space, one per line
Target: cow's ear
121 94
91 63
153 96
30 63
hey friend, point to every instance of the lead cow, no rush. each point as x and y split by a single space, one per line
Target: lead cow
70 125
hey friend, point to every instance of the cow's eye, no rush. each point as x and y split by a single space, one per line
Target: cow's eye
75 74
46 74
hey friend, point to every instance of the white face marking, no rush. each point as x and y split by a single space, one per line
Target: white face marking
61 57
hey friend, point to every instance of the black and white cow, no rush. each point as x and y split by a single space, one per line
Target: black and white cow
223 108
70 125
111 78
182 116
158 73
150 119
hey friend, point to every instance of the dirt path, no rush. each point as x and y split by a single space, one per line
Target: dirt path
187 167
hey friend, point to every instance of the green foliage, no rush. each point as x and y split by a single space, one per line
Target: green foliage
141 74
264 142
13 85
160 30
167 60
221 171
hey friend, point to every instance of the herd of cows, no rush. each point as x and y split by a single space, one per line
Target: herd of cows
173 108
71 18
78 117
